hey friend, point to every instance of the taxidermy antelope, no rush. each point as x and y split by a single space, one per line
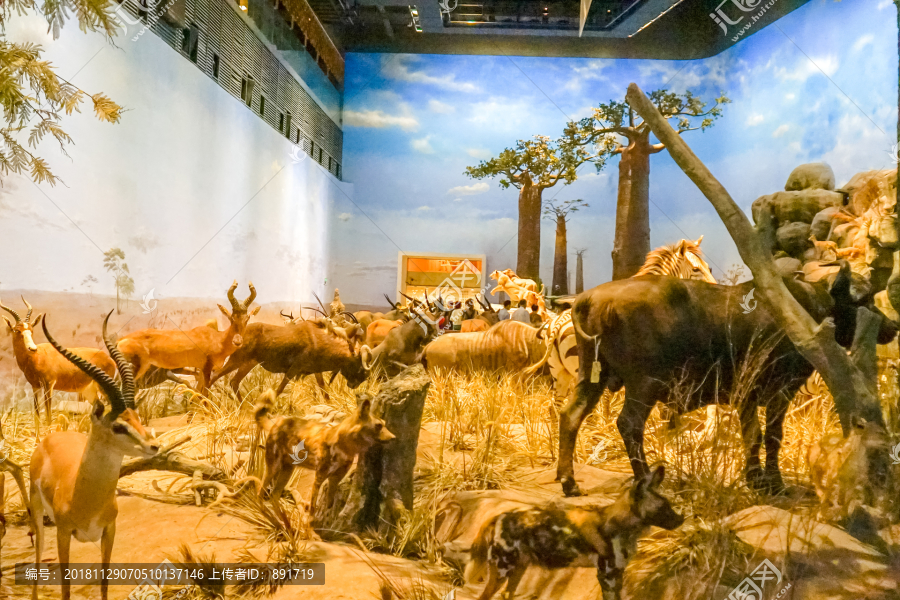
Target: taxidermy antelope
45 368
202 348
74 477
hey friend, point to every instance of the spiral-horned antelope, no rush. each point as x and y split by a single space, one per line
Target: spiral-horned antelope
74 476
201 348
45 368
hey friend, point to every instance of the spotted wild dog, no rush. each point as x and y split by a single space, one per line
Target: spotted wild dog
332 448
557 538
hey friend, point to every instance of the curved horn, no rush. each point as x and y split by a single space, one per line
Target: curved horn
246 304
365 354
319 300
318 310
391 303
235 305
105 382
30 310
122 364
12 312
351 315
290 316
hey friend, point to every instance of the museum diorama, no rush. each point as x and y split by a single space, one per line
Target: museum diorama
363 299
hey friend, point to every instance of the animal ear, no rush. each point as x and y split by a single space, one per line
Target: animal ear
655 478
255 310
858 422
37 320
364 407
224 311
97 413
699 239
9 325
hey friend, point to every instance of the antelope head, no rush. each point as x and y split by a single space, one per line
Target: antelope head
22 327
239 314
120 427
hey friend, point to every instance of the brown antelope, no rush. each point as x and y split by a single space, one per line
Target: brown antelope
74 476
201 348
45 368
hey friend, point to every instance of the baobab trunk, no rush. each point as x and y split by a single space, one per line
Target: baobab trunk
529 256
560 259
632 240
579 272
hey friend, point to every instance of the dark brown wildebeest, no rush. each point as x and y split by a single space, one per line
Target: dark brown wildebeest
401 347
648 332
298 349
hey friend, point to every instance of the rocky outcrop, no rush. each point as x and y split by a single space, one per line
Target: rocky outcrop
812 176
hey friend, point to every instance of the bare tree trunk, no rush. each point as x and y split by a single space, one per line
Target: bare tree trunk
851 379
528 264
382 488
579 271
632 240
560 259
118 310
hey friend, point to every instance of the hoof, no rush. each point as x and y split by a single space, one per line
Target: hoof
765 482
570 487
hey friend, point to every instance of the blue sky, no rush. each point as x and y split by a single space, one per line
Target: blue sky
819 85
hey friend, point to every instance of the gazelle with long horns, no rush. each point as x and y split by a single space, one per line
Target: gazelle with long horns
201 348
45 368
74 477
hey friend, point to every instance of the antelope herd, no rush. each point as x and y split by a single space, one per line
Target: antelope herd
670 320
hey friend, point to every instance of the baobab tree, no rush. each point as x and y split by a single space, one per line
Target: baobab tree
579 269
533 166
559 212
615 120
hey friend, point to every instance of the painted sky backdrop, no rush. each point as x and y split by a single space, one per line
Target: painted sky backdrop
819 85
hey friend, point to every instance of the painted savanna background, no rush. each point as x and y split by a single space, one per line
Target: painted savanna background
195 192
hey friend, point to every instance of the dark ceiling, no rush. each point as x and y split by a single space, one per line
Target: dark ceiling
662 29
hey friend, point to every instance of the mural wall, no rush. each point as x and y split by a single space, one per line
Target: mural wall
192 186
819 86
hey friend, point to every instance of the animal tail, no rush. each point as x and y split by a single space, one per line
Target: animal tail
477 566
533 369
579 311
264 405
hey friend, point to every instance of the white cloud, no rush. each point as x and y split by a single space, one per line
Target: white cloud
592 70
478 152
399 67
422 145
424 208
885 4
379 119
344 217
808 67
863 41
755 119
440 107
783 129
790 96
469 190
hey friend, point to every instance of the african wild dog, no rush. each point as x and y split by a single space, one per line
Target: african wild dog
557 538
332 448
850 472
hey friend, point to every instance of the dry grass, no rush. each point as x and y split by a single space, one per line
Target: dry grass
489 429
